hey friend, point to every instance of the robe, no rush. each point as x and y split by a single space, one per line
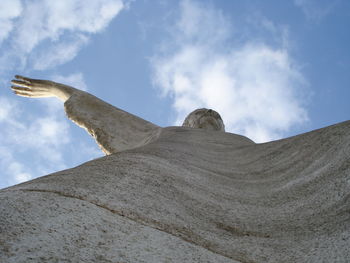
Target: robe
188 195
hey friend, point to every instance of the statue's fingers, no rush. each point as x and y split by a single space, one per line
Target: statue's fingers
22 91
30 89
29 94
19 88
33 81
22 94
21 83
25 79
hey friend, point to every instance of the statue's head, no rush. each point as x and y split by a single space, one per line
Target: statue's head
204 119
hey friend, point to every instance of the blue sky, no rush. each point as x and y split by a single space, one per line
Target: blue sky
272 69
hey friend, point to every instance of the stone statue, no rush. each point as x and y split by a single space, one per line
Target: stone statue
181 194
113 129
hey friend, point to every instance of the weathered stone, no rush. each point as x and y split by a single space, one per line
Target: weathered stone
191 195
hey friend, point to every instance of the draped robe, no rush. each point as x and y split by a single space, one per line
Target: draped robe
180 194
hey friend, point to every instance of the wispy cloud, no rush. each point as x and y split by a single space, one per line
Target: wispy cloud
12 167
59 53
316 10
9 10
75 80
254 85
40 35
44 33
21 134
47 135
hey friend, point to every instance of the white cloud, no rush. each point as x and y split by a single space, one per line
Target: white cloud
42 34
46 19
9 10
6 109
11 166
17 170
315 10
93 15
254 86
59 53
46 137
75 80
7 161
47 33
46 134
195 17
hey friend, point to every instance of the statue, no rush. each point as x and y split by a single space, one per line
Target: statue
113 129
181 194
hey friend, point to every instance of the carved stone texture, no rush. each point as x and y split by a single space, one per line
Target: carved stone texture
190 195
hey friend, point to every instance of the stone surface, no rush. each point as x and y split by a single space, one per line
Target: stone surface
113 129
191 195
204 119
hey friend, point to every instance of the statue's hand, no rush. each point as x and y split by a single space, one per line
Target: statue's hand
37 88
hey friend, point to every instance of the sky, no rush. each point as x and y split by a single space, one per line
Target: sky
272 69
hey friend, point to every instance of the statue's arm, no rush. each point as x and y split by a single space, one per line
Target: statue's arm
113 129
38 88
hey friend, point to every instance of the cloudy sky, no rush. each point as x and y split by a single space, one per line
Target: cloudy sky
272 69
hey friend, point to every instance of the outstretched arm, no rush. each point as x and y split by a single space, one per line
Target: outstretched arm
37 88
113 129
